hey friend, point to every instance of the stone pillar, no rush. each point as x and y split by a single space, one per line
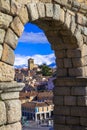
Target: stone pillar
10 106
44 115
35 117
49 114
70 104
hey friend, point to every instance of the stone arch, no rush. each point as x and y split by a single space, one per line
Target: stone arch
67 32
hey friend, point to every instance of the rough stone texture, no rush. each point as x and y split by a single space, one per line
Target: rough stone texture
7 86
10 95
62 15
6 72
1 49
56 14
2 35
67 63
49 10
15 7
11 39
17 26
15 126
41 10
5 20
33 12
13 110
5 5
23 14
2 128
2 113
70 100
8 55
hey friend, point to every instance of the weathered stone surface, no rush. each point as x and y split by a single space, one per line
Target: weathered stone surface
73 24
60 54
49 10
15 126
79 37
0 91
77 62
6 72
76 71
2 113
67 63
58 100
78 91
70 100
23 14
11 39
8 55
62 110
62 15
84 50
60 119
5 20
1 50
5 5
46 1
63 91
10 86
81 19
74 53
82 100
33 12
84 31
2 128
60 63
83 121
62 72
41 10
17 26
10 95
2 35
56 13
13 111
79 111
72 120
15 7
67 19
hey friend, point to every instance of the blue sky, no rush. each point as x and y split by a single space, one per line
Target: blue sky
33 44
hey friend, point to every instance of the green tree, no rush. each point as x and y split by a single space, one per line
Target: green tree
46 70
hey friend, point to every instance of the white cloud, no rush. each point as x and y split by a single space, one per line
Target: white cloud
21 60
31 37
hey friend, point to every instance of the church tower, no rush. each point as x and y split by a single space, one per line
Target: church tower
30 64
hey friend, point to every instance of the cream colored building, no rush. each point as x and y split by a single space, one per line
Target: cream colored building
38 110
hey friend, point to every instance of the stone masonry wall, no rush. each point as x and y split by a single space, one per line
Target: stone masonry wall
65 25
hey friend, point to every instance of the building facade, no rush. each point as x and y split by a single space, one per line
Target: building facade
37 110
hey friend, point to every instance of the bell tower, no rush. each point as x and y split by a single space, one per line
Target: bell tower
30 64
